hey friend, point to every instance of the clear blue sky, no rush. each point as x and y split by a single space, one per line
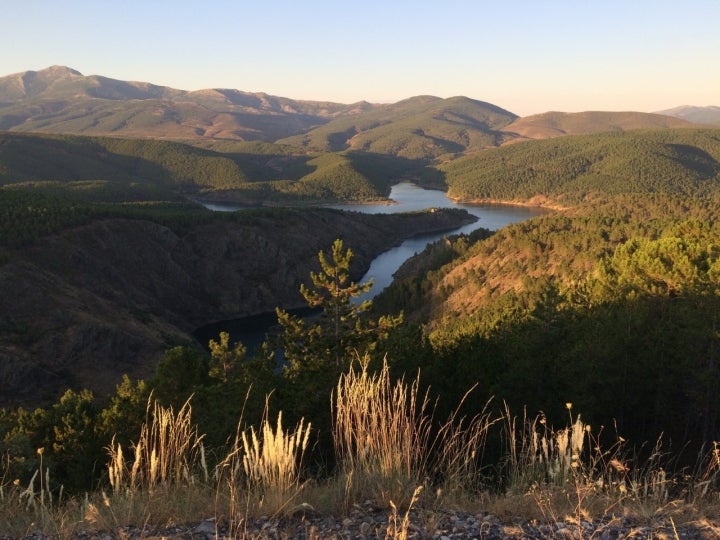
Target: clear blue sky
527 56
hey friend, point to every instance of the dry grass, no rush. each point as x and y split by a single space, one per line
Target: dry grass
164 476
168 451
565 475
387 452
261 472
381 434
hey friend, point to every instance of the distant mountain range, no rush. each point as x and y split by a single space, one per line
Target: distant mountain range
699 115
62 100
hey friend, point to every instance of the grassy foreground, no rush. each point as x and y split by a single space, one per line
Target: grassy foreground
389 450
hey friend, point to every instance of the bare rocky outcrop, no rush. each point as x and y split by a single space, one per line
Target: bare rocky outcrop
80 308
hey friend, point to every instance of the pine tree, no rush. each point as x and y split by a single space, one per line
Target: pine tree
342 329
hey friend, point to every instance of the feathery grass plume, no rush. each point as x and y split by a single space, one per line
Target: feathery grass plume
525 451
707 474
271 461
167 478
168 451
30 509
400 530
381 433
261 472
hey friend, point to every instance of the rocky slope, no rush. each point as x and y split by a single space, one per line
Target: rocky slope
80 308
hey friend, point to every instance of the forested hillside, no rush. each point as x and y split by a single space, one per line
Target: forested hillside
113 169
89 293
611 304
606 307
423 127
570 170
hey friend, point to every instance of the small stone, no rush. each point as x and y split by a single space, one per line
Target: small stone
205 527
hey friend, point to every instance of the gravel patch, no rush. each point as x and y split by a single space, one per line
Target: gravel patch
368 523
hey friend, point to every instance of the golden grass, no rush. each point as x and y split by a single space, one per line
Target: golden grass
381 434
168 451
388 453
261 472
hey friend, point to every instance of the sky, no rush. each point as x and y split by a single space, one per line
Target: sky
526 56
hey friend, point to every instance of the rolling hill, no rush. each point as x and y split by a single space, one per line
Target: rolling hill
556 124
700 115
61 100
113 169
416 128
569 169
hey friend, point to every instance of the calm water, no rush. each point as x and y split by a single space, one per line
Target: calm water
408 197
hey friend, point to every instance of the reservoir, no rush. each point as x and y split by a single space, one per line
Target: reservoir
405 197
409 197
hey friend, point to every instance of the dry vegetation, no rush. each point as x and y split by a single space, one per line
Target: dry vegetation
388 452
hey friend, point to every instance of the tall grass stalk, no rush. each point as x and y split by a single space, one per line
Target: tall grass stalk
34 510
168 451
458 448
381 433
163 474
261 471
537 454
398 529
271 461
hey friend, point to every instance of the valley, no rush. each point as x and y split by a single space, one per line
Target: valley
109 260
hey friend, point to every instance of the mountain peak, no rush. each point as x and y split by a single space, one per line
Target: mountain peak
59 71
32 83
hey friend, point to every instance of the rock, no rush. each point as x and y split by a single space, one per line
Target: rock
207 527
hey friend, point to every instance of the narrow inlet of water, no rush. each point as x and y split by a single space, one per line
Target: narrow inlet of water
406 197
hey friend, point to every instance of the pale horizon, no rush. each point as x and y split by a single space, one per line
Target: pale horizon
526 57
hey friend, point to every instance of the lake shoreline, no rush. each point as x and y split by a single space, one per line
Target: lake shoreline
536 202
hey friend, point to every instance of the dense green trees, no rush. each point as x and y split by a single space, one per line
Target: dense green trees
226 360
569 170
611 305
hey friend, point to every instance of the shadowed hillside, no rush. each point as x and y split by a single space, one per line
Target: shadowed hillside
105 296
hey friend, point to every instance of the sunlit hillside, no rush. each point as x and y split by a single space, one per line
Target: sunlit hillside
566 170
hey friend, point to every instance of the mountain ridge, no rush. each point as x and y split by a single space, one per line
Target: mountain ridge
60 99
700 115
